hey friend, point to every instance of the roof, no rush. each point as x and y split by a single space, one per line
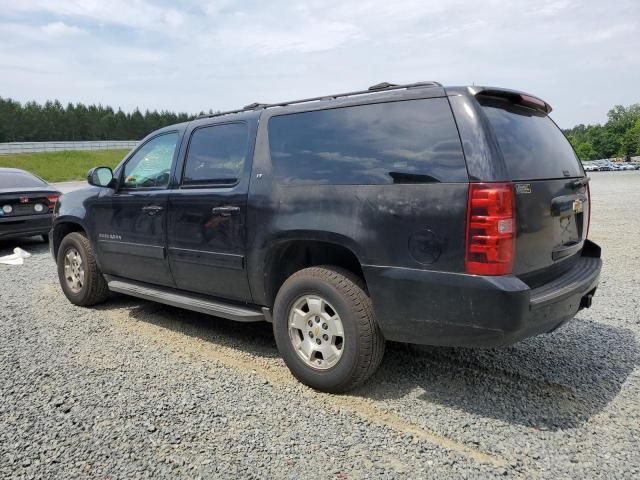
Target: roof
378 88
390 88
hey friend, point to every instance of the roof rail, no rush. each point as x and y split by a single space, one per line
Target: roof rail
379 87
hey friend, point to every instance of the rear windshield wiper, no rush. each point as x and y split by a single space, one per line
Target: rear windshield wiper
580 182
401 177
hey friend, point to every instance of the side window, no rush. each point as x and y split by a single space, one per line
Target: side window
150 167
413 141
216 154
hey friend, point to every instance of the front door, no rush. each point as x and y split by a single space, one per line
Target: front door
206 231
130 222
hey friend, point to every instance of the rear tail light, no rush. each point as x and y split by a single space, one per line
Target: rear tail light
52 199
490 229
589 207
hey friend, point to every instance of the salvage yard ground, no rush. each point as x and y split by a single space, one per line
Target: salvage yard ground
63 166
136 389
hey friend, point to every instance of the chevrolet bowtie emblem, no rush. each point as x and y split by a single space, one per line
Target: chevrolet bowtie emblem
578 206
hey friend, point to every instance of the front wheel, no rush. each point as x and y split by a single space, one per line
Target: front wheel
325 329
80 279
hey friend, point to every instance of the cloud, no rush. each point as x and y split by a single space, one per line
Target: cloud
130 13
61 29
306 38
191 55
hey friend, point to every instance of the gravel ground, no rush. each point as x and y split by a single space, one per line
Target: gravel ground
135 389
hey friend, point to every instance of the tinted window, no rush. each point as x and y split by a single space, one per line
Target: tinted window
216 154
532 145
20 180
399 142
150 167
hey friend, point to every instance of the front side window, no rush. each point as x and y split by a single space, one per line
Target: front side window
414 141
150 167
216 155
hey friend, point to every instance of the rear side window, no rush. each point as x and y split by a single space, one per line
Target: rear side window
532 145
20 180
412 141
216 154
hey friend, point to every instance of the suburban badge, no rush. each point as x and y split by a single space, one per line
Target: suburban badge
523 188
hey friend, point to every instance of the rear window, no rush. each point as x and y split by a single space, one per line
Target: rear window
413 141
20 180
532 145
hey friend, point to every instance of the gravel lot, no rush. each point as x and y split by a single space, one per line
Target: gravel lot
135 389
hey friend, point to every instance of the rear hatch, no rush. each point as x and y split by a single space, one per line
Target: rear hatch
550 191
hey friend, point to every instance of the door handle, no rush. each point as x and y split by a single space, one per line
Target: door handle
152 209
225 211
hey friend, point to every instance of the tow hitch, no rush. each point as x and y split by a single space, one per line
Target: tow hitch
585 302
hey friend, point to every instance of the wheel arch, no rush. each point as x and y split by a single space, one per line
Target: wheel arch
293 253
61 229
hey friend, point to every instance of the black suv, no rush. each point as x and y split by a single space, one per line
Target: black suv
412 213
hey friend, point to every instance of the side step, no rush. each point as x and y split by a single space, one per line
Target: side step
193 302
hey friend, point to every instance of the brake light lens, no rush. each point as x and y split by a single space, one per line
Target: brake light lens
491 227
52 199
533 102
589 207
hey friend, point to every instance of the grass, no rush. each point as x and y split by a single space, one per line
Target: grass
63 166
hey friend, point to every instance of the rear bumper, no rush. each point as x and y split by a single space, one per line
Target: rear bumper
437 308
26 225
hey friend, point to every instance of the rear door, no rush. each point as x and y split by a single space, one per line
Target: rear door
552 206
207 212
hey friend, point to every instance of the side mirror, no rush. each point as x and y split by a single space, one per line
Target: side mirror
100 177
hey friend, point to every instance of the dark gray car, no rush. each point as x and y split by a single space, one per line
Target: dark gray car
26 204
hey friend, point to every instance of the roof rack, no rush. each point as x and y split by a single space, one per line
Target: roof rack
379 87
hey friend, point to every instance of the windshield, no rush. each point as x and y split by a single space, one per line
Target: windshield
20 180
532 145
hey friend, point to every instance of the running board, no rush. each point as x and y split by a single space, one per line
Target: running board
174 298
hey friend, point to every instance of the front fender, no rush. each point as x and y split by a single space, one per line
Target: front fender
70 215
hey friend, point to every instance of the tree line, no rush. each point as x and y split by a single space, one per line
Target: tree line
34 122
618 137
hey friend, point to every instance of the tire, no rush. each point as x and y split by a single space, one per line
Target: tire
362 344
45 238
93 289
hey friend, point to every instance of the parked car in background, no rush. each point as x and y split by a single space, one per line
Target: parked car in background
590 168
26 204
412 213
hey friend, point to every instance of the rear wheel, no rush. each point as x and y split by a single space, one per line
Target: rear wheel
325 329
80 279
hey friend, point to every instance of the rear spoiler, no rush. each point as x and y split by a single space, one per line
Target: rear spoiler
515 97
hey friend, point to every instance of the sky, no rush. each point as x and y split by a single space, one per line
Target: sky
581 56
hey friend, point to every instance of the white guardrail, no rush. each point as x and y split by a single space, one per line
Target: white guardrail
32 147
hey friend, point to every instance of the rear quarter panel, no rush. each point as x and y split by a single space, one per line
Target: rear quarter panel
418 226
